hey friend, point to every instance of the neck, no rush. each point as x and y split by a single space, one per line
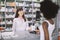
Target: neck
20 17
51 21
48 19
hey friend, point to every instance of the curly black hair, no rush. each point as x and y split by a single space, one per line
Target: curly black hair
49 9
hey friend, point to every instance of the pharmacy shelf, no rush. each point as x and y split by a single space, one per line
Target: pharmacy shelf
28 1
7 17
29 6
9 9
8 22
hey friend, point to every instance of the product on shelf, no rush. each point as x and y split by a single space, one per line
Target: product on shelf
11 4
10 16
38 5
9 22
2 22
9 9
17 3
30 15
2 3
14 10
2 9
1 28
7 35
20 4
59 34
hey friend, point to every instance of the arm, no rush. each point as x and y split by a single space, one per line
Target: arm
37 30
27 26
45 28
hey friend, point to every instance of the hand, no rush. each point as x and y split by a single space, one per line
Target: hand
28 29
37 31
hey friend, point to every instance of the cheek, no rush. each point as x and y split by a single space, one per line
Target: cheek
19 13
22 13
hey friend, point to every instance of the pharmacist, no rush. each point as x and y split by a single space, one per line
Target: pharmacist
20 25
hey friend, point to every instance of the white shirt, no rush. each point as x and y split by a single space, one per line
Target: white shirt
51 27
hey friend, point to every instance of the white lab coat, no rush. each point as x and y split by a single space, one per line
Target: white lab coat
19 24
20 27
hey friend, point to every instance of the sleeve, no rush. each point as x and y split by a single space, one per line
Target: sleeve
14 26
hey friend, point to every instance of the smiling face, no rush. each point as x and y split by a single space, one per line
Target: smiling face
20 13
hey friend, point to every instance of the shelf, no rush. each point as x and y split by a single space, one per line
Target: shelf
27 1
29 21
9 23
2 17
9 17
8 31
28 6
31 7
11 4
14 4
2 23
30 15
13 10
7 10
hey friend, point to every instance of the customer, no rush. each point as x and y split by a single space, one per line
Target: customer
49 10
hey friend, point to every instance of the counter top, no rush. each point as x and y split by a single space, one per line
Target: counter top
9 36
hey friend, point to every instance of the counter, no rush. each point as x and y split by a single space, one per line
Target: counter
8 36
